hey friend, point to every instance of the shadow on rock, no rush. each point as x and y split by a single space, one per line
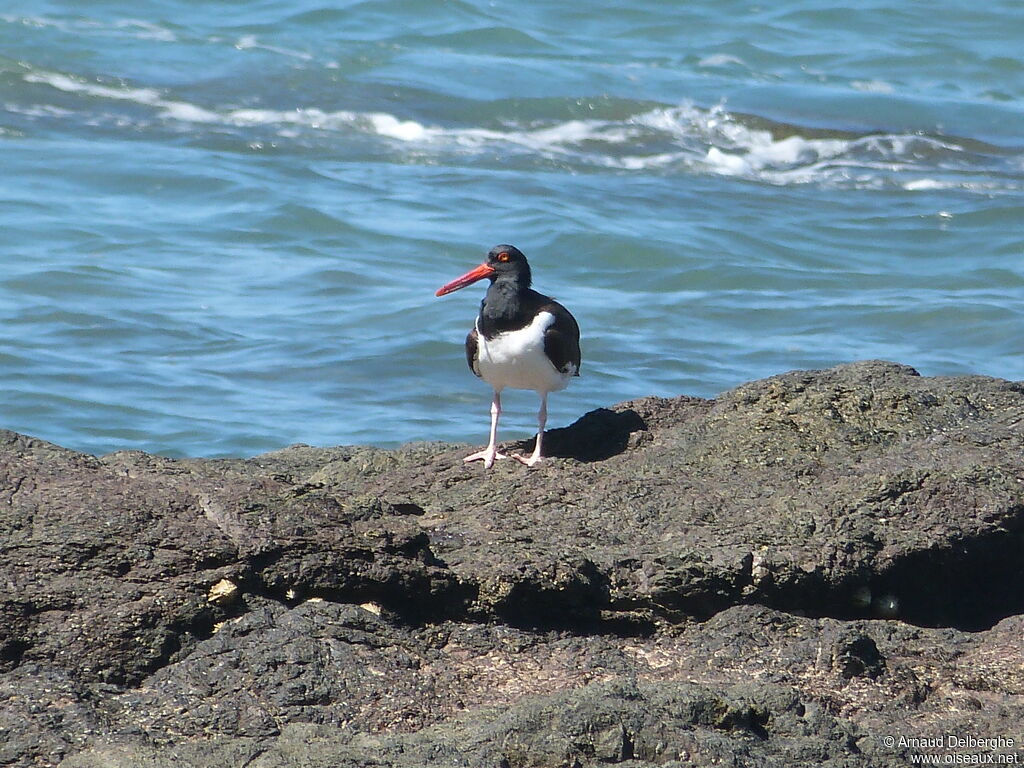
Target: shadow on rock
595 436
972 586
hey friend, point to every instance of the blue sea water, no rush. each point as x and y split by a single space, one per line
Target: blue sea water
223 223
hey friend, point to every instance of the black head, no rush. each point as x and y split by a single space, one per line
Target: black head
504 262
509 263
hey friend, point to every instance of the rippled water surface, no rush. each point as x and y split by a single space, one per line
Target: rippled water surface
223 224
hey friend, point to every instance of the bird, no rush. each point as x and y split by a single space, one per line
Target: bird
521 339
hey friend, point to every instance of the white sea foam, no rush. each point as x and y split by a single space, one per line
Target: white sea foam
187 113
719 143
134 28
37 110
872 86
71 85
548 139
919 185
250 42
404 130
728 163
720 60
758 152
650 162
145 30
665 139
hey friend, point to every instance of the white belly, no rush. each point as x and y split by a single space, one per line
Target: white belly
516 359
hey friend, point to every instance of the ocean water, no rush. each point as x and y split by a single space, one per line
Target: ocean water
223 223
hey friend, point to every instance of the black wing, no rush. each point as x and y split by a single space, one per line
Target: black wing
471 349
562 339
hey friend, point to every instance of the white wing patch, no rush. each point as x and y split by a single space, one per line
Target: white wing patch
516 359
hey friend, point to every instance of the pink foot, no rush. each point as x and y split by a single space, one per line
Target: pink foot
487 456
529 461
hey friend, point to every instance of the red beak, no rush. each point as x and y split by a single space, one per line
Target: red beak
479 273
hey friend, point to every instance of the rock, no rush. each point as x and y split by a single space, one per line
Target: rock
857 655
783 576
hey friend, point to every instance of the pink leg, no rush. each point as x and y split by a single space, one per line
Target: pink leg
490 453
542 420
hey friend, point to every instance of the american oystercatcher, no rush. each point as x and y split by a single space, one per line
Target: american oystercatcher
521 339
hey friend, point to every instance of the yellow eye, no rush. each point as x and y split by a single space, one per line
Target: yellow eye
503 256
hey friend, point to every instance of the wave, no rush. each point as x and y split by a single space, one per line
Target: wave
138 29
684 138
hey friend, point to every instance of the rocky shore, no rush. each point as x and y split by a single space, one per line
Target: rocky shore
823 568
